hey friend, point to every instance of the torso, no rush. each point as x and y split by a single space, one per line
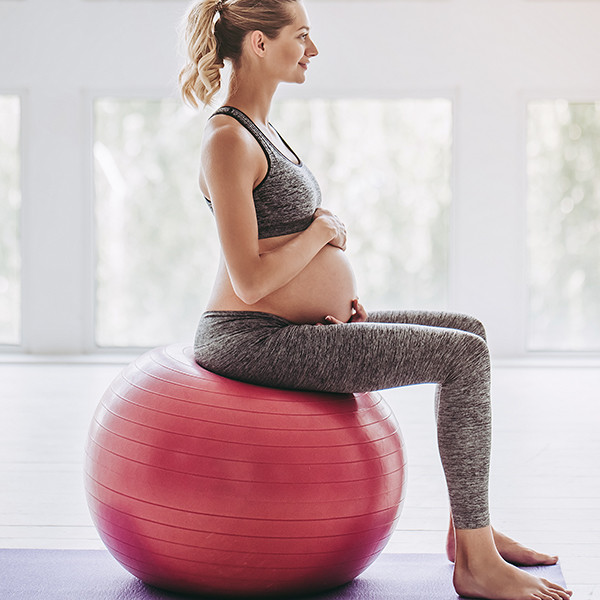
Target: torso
326 286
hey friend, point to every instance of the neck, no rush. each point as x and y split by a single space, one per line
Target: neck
252 96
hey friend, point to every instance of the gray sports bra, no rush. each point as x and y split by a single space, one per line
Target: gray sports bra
287 197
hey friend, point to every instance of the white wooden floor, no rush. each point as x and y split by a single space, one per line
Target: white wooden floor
545 484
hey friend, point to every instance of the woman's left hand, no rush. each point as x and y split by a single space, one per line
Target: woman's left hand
359 315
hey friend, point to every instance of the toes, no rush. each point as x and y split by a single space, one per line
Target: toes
557 590
531 557
550 595
557 593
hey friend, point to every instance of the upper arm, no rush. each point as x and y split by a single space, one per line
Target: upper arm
231 163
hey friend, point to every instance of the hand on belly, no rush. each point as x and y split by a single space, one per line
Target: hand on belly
359 315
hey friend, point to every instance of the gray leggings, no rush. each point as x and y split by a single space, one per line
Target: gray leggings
392 349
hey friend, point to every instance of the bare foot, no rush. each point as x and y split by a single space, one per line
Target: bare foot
501 581
510 550
520 555
480 572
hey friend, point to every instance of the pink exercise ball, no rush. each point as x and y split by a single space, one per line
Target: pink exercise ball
201 484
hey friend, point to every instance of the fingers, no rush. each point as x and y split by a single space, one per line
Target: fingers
360 314
336 225
333 320
342 237
339 244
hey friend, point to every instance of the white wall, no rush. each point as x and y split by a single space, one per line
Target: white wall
489 56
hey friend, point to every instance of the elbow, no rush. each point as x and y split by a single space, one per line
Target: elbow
249 292
250 283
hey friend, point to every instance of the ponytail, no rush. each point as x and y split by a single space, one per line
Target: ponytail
200 78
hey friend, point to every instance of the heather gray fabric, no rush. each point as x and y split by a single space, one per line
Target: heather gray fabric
392 349
286 199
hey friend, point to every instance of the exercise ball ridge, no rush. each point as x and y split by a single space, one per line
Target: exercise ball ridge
201 484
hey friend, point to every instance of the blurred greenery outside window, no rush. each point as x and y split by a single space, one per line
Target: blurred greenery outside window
384 167
10 205
156 246
564 225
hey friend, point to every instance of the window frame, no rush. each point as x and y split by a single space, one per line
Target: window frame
569 95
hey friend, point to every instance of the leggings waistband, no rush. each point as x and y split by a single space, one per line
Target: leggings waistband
247 314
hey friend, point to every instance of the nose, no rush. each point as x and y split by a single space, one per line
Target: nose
311 49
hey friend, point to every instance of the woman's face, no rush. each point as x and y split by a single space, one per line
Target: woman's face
288 55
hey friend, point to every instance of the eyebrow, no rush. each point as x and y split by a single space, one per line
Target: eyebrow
304 27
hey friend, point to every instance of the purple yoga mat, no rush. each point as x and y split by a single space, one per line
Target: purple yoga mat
95 575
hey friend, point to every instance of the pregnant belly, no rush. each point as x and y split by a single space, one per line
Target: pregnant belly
326 286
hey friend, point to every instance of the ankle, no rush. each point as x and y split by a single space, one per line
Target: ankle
475 546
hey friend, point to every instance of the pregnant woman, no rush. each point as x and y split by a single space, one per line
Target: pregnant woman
284 310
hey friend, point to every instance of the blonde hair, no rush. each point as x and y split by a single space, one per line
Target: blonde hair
214 31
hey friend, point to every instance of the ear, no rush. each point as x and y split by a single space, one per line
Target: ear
257 42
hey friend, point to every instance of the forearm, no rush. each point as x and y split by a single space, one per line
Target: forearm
275 268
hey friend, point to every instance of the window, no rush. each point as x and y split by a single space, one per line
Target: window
385 167
156 247
10 203
564 225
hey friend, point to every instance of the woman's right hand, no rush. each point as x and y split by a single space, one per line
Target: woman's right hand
334 225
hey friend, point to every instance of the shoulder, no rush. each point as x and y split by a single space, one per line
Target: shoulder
230 158
224 136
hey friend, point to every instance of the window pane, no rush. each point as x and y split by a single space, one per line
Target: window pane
385 167
564 225
157 250
10 204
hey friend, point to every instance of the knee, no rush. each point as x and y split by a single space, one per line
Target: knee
471 356
474 326
479 329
